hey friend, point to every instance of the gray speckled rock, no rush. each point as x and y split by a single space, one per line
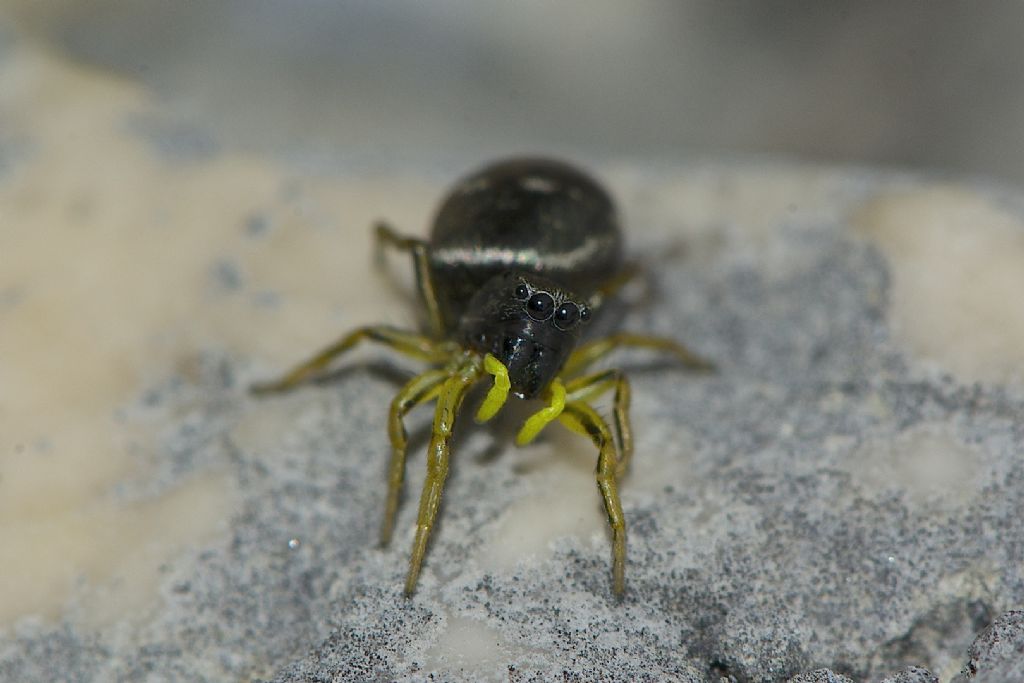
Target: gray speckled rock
997 655
772 528
912 674
820 676
771 552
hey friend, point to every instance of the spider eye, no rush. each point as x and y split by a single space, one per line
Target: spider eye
540 306
566 315
584 313
522 292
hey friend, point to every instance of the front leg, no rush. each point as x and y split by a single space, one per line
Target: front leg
420 389
449 402
590 387
583 419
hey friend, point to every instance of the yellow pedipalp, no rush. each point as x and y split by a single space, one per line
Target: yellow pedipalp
498 393
536 422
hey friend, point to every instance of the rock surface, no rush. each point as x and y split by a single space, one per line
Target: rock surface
997 655
838 494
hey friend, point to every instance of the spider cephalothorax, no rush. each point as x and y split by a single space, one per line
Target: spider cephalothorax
528 323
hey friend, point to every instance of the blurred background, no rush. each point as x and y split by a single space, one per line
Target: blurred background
934 85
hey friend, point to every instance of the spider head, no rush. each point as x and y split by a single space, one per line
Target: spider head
528 323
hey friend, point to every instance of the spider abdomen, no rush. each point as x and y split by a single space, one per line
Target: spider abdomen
535 216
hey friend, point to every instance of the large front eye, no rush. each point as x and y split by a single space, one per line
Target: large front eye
566 315
540 306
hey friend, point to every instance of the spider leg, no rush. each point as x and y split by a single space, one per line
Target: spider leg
587 388
590 387
406 343
449 402
612 285
580 417
419 390
420 250
595 350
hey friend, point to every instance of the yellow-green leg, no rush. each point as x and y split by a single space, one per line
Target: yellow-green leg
449 401
595 350
583 419
420 250
590 387
407 343
420 389
613 285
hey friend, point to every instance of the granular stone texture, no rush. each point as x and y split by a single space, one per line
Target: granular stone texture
997 655
912 674
820 676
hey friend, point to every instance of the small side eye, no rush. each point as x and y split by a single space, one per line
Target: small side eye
522 292
540 306
584 313
566 315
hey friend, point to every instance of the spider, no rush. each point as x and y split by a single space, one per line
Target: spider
522 256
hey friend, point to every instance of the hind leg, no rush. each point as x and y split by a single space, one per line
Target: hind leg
387 236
